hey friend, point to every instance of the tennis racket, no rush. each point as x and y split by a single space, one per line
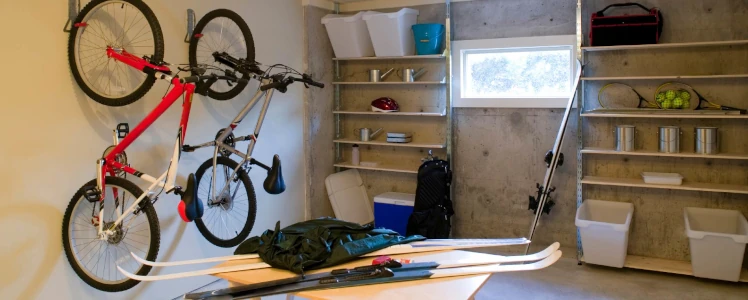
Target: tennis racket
703 103
622 96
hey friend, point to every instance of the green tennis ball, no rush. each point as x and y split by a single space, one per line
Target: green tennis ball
670 95
667 104
686 104
685 95
660 97
678 102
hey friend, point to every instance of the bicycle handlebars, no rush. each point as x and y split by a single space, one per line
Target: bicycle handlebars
282 84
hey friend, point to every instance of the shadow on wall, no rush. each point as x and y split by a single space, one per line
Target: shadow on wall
27 260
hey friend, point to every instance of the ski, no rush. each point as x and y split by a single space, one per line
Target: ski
433 245
414 247
370 275
553 159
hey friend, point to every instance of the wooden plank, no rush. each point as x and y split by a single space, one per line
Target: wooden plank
380 167
605 151
686 186
671 77
436 56
383 143
388 83
662 116
666 46
400 113
666 265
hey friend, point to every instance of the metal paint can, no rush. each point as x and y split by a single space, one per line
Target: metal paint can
669 137
707 140
625 137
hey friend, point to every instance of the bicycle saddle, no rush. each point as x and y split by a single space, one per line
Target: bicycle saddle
190 208
274 183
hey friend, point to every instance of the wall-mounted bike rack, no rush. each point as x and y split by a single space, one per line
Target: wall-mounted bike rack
190 24
74 7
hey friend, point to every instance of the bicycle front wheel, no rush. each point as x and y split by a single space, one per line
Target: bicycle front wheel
230 216
220 31
127 25
95 260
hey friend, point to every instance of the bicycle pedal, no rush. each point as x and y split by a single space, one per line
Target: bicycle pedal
123 129
188 148
92 194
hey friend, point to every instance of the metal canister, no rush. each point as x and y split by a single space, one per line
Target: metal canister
625 137
706 140
669 137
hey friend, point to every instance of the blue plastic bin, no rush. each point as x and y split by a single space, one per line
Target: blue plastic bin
392 210
429 38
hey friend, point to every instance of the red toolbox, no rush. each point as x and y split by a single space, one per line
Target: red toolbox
625 29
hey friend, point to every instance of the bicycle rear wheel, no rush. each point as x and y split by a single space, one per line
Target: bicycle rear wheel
221 30
230 216
95 260
118 24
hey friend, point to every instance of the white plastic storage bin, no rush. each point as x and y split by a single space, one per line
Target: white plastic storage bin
348 35
392 210
391 33
717 238
604 227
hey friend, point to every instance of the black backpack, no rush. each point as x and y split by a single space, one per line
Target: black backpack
432 210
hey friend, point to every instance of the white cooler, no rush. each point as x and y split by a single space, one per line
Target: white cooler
391 33
604 228
348 35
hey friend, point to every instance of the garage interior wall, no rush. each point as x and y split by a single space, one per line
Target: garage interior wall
53 134
492 182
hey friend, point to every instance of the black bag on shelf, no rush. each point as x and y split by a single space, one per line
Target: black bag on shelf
432 210
626 29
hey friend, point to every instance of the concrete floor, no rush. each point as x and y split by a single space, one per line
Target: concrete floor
566 280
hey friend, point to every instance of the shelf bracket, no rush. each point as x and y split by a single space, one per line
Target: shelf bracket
190 25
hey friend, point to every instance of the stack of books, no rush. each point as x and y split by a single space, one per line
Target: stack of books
399 137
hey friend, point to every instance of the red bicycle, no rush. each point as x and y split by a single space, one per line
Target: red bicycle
110 218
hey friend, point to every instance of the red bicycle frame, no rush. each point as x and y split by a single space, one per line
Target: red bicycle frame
110 165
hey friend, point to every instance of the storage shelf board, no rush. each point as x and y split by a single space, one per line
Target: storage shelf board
383 143
666 46
661 116
686 186
605 151
670 77
379 167
666 266
401 113
410 57
387 83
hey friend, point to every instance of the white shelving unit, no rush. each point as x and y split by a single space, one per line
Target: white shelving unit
586 116
394 114
422 140
604 151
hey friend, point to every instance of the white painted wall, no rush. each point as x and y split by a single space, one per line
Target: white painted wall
52 134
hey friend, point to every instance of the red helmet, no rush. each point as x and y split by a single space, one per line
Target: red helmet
384 104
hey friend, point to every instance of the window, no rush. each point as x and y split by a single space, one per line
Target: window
514 72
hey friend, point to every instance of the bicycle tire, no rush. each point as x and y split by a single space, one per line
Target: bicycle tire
251 203
198 35
157 55
155 235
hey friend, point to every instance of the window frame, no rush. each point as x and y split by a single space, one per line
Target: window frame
552 42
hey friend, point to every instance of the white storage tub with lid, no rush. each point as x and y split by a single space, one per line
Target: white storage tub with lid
348 35
392 33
